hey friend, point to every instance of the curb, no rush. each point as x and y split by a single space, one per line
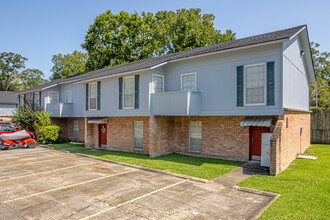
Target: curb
147 168
273 197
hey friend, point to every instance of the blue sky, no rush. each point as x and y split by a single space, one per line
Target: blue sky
39 29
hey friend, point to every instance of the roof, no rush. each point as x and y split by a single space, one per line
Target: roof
265 121
8 97
154 61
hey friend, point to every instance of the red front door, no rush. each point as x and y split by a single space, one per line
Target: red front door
103 135
255 141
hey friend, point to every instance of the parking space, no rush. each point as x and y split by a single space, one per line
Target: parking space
47 184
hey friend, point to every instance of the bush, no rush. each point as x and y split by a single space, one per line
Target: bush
49 134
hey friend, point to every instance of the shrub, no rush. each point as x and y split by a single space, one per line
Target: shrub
49 134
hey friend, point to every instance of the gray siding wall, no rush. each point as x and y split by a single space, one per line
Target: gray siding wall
7 110
216 79
295 79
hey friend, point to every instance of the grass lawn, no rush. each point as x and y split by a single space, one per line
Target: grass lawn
304 187
64 145
206 168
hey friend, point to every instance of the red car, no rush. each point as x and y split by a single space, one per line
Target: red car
12 137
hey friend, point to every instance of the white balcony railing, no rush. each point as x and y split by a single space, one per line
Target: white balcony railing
60 109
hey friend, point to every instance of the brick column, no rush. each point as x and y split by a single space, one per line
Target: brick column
275 149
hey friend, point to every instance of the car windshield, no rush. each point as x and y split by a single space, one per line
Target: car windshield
6 128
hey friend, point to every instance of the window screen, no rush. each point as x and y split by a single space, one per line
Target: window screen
255 84
129 92
68 97
195 136
92 96
158 83
52 97
76 129
138 135
188 82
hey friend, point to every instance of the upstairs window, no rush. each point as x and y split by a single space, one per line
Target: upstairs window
255 84
36 99
53 97
21 99
188 82
158 83
92 96
68 97
129 92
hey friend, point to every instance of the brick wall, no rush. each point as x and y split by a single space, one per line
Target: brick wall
222 137
92 136
62 122
287 142
81 127
120 133
161 135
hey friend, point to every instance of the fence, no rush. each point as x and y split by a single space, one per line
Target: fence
320 126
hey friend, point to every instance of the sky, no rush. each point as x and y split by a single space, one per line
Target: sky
40 29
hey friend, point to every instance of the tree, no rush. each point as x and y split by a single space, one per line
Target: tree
68 64
320 91
30 78
10 65
115 39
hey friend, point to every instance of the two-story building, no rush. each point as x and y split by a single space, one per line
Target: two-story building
216 101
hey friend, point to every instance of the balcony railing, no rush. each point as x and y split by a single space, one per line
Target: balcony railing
176 103
60 109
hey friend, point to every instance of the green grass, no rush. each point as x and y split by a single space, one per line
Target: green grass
65 145
77 149
206 168
304 187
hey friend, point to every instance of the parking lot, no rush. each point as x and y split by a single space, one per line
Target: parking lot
48 184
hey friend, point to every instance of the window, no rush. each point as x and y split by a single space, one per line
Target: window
21 99
36 99
92 96
255 84
53 97
76 129
188 82
129 92
138 134
195 135
68 97
6 128
157 83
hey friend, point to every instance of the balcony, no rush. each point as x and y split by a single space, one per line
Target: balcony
176 103
60 109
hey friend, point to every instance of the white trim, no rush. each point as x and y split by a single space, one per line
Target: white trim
153 91
186 74
297 33
65 97
58 97
159 65
89 96
265 85
123 95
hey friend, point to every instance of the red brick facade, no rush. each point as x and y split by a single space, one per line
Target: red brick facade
290 138
222 136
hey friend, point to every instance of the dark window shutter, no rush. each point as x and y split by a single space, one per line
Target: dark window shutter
24 100
136 103
99 95
240 87
33 101
87 93
121 93
19 99
40 99
270 83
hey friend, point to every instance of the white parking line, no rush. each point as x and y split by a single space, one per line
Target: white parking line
132 200
68 186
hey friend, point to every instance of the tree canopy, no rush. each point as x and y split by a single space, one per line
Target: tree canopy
320 91
11 77
115 39
68 64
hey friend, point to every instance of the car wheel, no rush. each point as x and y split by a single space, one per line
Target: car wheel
4 147
32 145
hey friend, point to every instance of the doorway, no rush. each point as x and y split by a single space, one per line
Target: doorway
255 141
103 135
